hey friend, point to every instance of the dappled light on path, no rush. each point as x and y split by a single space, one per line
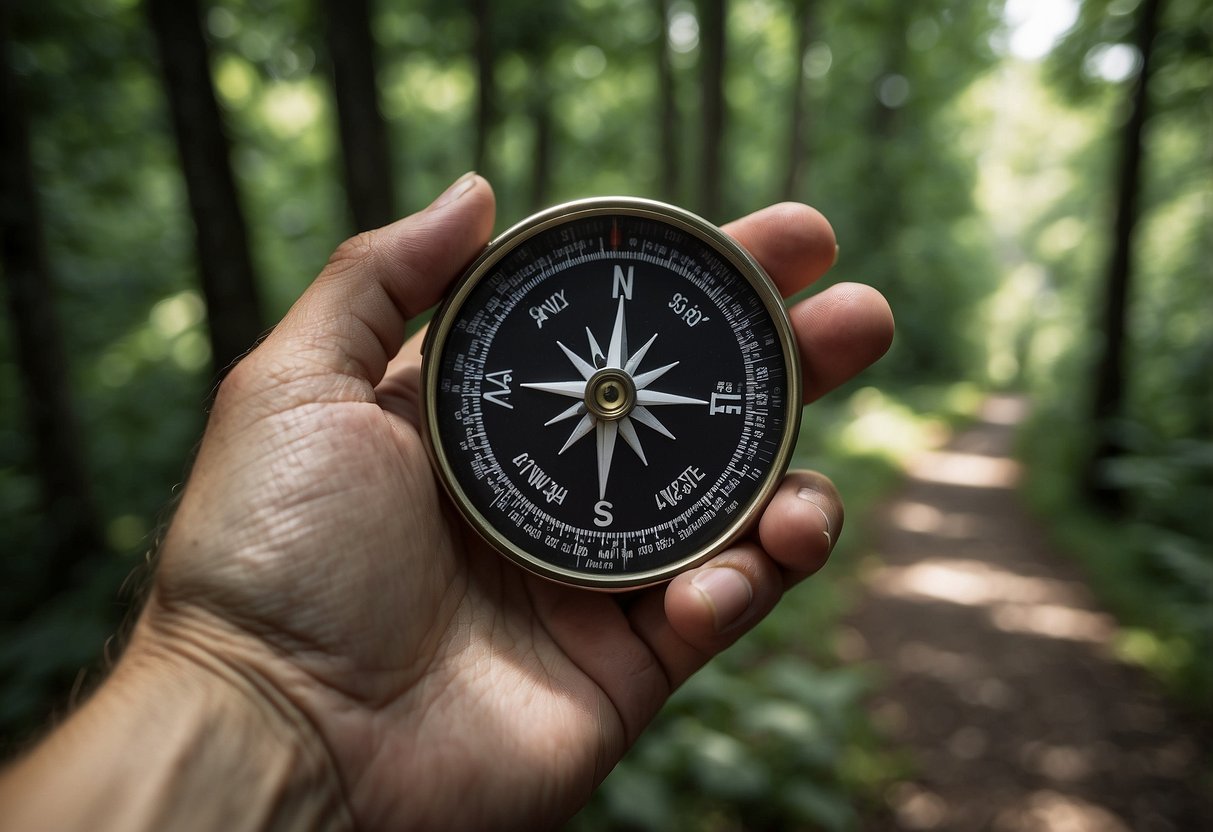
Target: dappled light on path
968 469
1003 685
1012 603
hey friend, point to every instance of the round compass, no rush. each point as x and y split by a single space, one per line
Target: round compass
612 392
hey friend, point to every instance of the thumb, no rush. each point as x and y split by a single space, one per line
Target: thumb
351 320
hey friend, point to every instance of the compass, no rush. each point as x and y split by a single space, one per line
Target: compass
612 392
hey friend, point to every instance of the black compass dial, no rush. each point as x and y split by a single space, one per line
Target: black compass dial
612 392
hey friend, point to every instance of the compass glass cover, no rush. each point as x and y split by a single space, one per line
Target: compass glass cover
612 393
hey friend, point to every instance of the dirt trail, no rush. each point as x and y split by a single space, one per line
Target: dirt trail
1002 686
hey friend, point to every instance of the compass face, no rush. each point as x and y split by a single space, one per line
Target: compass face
611 392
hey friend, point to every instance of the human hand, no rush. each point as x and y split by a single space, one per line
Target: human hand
315 565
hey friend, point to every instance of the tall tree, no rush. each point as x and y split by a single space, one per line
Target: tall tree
880 219
72 527
486 88
1109 391
364 134
802 14
536 44
668 107
542 124
228 281
712 47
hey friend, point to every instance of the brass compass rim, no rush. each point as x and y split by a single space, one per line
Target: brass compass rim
447 313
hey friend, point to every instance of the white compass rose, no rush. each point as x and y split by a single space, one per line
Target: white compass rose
612 396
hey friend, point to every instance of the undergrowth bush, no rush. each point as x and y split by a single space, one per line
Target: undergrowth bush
1152 563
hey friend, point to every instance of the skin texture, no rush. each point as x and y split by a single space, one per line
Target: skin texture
321 594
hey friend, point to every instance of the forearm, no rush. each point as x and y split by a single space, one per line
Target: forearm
175 738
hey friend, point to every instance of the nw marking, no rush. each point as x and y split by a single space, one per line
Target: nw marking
556 303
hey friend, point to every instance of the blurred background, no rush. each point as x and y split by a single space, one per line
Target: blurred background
1029 182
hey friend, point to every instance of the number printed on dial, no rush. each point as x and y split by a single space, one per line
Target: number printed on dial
612 392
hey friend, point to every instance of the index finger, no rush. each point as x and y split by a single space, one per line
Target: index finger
794 243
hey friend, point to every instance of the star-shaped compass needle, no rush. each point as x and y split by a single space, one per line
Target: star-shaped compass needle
612 396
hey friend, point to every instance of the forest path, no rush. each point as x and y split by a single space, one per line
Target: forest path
1002 685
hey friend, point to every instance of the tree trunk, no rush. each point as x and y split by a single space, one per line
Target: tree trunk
72 531
1109 391
486 91
364 135
668 117
541 171
880 219
228 282
712 16
797 151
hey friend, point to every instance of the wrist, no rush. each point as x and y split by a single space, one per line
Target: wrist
188 732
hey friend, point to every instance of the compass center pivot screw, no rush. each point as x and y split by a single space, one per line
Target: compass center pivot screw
610 394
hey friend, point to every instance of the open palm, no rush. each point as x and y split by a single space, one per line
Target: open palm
314 550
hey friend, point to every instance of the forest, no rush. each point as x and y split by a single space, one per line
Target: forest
1036 205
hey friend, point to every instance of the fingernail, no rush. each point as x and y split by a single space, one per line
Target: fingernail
727 592
457 189
812 497
835 260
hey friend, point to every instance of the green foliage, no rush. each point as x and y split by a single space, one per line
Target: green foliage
1152 566
900 198
772 734
55 658
764 745
119 232
1153 562
972 189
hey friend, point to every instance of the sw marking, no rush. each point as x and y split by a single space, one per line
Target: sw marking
541 482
